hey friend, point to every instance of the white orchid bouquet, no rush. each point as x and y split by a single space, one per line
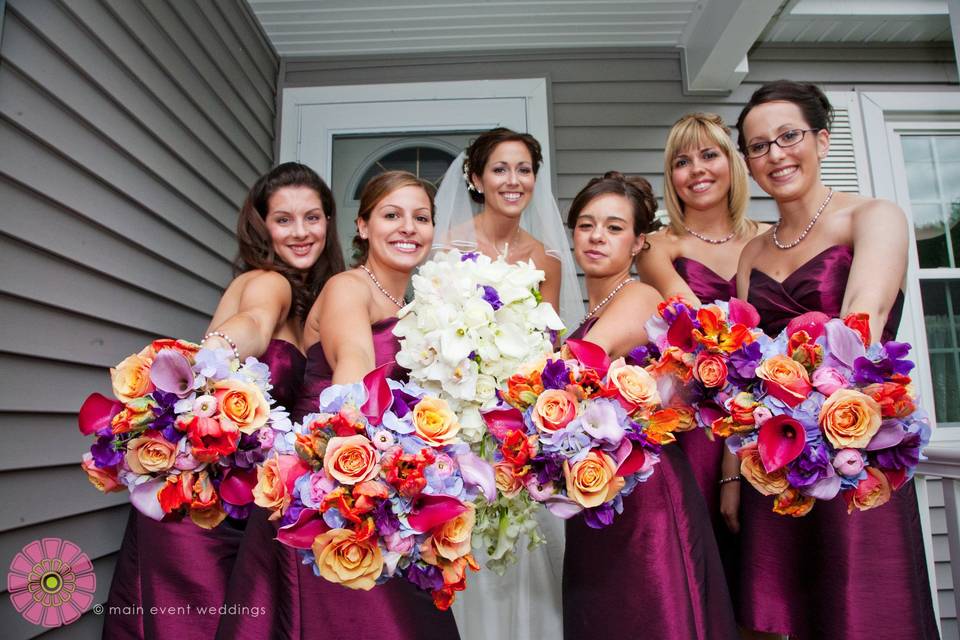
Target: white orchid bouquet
472 324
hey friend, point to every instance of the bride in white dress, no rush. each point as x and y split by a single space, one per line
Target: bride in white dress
488 202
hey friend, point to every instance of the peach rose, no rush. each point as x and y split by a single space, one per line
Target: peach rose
507 480
710 370
849 419
635 384
434 422
787 379
271 491
554 410
593 480
344 559
751 467
451 540
351 460
150 453
793 503
131 378
242 403
872 492
103 479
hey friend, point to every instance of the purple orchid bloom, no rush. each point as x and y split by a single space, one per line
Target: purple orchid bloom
555 375
599 517
427 578
491 296
469 255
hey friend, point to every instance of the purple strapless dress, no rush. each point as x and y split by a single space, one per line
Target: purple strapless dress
829 574
177 566
271 594
655 572
705 455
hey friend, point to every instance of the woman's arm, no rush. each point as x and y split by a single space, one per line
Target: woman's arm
264 305
340 321
879 262
655 267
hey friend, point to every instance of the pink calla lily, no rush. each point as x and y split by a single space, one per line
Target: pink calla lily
562 506
171 372
301 533
500 422
630 458
144 498
780 441
742 312
477 472
96 413
237 486
590 355
430 512
680 333
813 322
890 434
379 397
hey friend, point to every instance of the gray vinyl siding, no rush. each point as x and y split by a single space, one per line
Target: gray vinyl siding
613 110
130 131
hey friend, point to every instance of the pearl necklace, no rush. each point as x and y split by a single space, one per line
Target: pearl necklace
609 297
803 235
400 303
705 238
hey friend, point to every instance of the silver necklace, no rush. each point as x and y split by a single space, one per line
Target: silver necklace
400 303
705 238
803 235
609 297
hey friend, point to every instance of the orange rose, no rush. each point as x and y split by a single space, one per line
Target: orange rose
554 410
434 422
351 460
103 479
635 384
751 467
593 480
872 492
849 419
451 540
507 480
131 378
793 503
150 453
786 379
271 490
242 403
710 370
859 322
344 558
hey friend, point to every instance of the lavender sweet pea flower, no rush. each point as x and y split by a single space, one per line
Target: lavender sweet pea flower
742 364
866 371
104 455
812 465
603 420
237 512
547 468
555 375
427 577
385 519
641 355
292 514
599 517
905 455
491 297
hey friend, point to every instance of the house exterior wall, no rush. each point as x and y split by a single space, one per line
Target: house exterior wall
129 133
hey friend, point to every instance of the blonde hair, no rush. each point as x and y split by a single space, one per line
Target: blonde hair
694 131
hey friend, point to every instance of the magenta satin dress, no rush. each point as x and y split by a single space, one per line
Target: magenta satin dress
177 566
705 455
284 596
655 572
861 576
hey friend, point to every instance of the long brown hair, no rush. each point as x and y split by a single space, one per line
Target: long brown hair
256 247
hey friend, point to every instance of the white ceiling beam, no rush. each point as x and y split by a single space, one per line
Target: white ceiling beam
954 6
869 8
716 44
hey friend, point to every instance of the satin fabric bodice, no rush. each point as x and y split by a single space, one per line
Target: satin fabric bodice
705 283
286 371
817 285
319 374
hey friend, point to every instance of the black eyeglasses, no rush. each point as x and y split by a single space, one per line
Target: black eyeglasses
786 139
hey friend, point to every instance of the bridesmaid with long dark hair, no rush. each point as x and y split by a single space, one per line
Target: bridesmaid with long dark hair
706 194
827 574
349 332
167 570
655 572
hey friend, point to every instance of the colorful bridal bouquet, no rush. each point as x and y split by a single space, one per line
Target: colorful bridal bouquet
471 325
820 414
472 322
377 485
704 355
581 432
182 434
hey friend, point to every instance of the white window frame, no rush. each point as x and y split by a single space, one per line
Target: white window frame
886 115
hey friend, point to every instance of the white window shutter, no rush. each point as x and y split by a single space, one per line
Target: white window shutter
845 168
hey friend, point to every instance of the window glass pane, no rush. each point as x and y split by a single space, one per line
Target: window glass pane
922 182
941 311
917 148
933 178
424 162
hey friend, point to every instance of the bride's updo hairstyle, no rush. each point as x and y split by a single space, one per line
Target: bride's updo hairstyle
478 153
635 189
813 104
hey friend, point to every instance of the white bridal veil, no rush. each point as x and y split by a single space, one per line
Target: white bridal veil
541 219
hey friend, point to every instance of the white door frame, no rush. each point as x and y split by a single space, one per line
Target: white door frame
410 107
